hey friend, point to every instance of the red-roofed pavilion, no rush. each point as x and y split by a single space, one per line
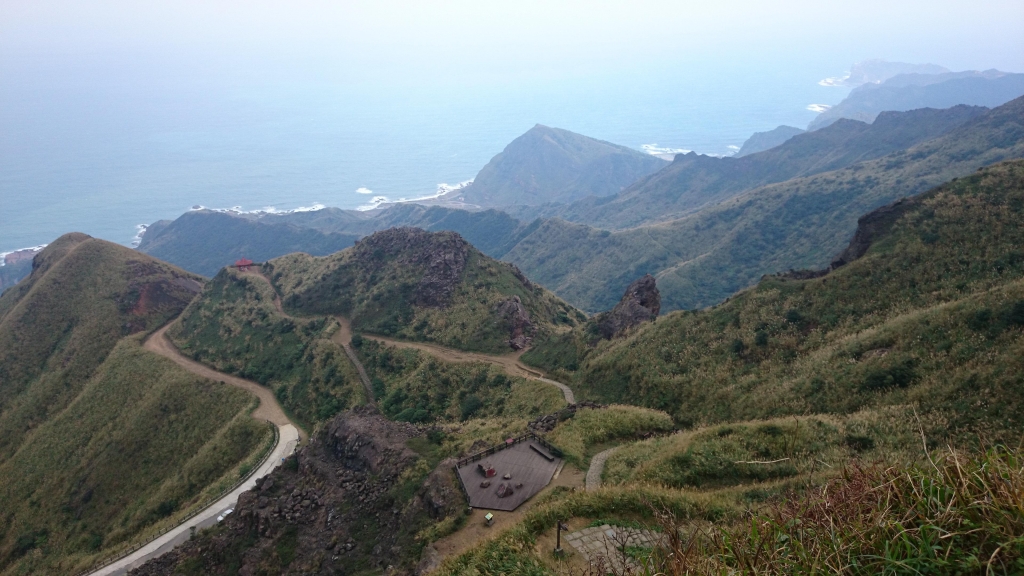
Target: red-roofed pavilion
243 264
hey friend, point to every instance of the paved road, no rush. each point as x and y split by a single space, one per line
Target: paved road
269 410
289 437
596 469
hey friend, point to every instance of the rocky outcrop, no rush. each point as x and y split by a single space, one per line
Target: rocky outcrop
440 255
341 505
547 423
870 227
521 330
640 303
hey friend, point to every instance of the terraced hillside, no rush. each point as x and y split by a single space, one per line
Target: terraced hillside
81 404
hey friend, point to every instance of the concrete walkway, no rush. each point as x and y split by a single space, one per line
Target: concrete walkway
596 469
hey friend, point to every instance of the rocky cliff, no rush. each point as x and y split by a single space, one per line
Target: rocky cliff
640 303
351 501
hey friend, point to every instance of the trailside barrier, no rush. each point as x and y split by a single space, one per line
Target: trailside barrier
263 460
528 437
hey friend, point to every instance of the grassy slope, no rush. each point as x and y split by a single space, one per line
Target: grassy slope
702 259
81 404
924 334
415 387
931 315
377 285
694 181
235 328
59 324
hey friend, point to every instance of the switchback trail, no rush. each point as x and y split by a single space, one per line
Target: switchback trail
288 436
508 362
596 469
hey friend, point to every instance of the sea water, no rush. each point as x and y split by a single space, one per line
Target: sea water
108 152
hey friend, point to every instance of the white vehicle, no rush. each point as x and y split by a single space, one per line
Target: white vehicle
224 514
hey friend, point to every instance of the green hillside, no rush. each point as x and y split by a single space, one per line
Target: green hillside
81 404
931 315
234 327
204 241
418 285
694 181
802 223
554 165
405 283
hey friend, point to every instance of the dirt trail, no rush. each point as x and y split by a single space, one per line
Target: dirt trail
509 362
268 410
342 337
596 469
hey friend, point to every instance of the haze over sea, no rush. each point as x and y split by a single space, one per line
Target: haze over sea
95 151
117 114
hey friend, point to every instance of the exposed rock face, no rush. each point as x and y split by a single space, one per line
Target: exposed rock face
872 225
547 423
518 318
337 509
640 303
442 256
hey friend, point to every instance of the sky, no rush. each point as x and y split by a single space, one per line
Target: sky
466 42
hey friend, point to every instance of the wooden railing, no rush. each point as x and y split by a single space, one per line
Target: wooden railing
131 550
528 437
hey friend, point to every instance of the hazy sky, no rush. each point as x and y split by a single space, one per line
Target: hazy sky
477 41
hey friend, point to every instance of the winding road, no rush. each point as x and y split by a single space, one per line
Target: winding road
288 436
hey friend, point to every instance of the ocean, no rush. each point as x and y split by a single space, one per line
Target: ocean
107 152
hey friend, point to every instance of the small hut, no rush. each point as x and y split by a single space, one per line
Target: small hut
243 264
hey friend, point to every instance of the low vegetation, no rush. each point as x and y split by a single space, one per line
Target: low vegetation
746 453
417 285
590 429
235 327
65 495
952 513
947 335
412 386
959 514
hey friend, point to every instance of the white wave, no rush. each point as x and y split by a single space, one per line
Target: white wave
140 229
3 255
835 81
261 211
363 190
375 202
442 189
819 108
655 150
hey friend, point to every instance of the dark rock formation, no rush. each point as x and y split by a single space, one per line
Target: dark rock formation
870 227
339 506
517 317
640 303
547 423
442 256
